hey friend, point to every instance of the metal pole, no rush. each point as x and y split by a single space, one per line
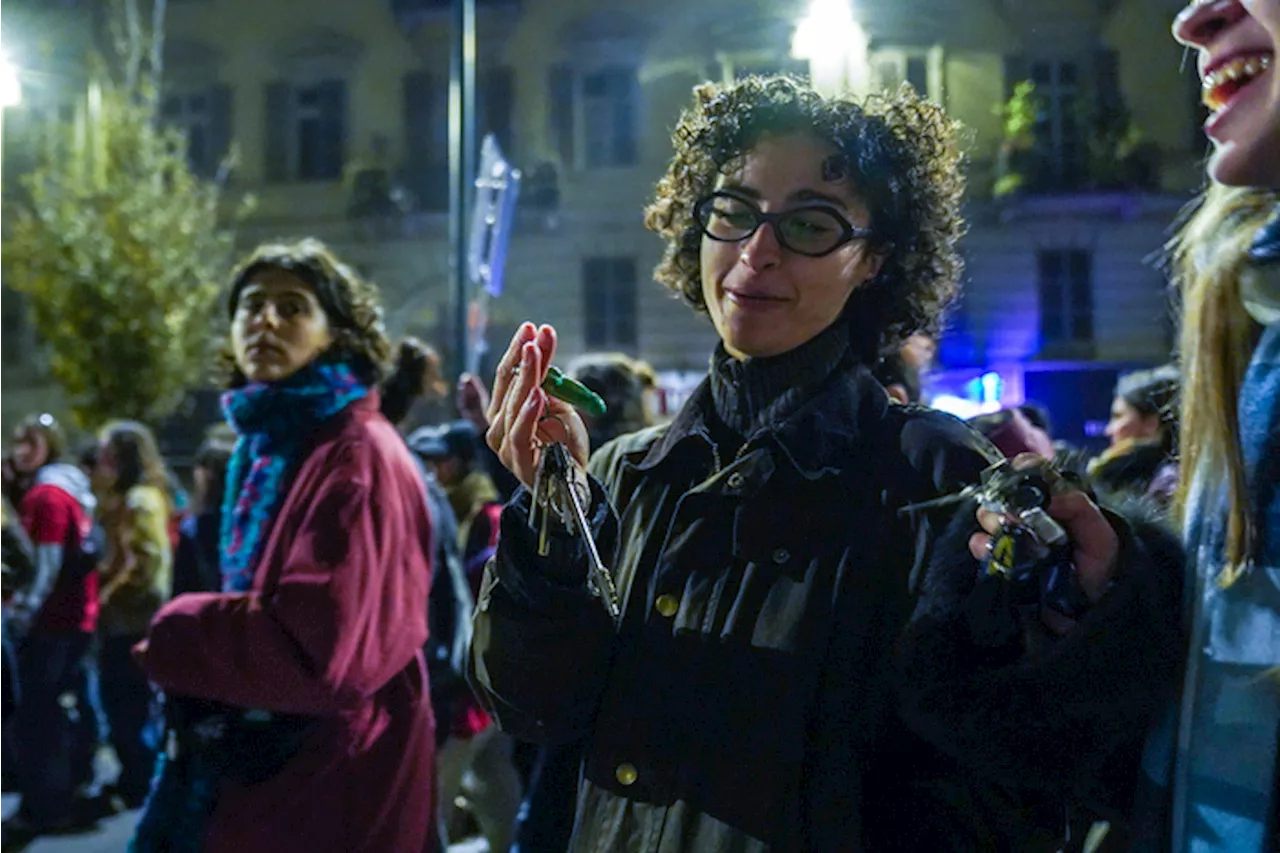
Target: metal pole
462 153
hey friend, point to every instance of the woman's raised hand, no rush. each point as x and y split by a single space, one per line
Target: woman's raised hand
522 417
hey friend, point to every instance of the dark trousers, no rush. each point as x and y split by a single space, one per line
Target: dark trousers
91 729
126 699
545 823
49 665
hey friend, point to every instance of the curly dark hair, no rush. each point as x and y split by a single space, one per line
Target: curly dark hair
352 305
901 154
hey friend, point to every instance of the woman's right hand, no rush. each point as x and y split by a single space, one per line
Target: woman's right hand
522 417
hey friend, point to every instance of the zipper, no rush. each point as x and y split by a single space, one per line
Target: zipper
715 455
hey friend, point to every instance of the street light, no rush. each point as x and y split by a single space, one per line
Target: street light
10 87
10 96
836 46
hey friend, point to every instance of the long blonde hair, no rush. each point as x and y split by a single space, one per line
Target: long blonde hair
1217 340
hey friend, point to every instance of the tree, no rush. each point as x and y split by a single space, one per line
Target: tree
119 248
1015 165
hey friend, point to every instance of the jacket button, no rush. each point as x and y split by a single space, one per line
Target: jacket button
626 774
667 605
735 480
781 555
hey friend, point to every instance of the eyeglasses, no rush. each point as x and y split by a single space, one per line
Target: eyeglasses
809 231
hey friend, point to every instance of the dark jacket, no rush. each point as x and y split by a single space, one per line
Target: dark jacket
747 701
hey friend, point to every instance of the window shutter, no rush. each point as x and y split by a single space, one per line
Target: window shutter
279 117
1051 272
595 301
626 115
624 303
496 87
1080 281
219 127
1015 71
415 95
1106 80
333 111
560 91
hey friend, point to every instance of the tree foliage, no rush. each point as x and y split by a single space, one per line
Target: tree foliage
119 247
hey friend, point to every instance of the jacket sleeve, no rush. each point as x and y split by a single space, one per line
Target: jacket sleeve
48 515
541 644
1044 719
346 615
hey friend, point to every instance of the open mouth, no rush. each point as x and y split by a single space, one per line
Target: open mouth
1226 81
260 349
753 298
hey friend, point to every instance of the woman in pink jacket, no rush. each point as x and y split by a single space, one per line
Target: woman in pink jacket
299 713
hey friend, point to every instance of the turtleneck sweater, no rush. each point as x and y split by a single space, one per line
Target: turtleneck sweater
756 393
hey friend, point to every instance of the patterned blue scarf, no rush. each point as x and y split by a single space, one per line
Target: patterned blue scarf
273 421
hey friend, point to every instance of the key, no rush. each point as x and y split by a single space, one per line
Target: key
562 495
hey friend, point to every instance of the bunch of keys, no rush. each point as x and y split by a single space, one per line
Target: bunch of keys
553 491
1032 551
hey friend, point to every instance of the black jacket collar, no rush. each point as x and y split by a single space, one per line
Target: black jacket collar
818 437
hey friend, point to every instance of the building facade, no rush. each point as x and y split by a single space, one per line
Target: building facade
337 114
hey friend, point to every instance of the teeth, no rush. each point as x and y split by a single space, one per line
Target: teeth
1241 68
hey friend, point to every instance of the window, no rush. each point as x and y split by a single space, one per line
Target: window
610 105
306 131
609 302
594 118
19 334
919 66
205 119
1066 296
1058 128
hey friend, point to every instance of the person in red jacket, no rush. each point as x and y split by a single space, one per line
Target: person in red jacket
51 618
303 712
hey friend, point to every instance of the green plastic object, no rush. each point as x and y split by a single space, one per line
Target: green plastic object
573 392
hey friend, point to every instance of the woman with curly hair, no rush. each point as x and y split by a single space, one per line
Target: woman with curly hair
301 720
746 699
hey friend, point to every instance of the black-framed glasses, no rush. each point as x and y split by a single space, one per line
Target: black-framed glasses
811 231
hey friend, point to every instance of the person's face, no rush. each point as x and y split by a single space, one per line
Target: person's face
919 350
1237 42
448 470
279 327
1128 424
30 451
107 466
764 299
202 477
